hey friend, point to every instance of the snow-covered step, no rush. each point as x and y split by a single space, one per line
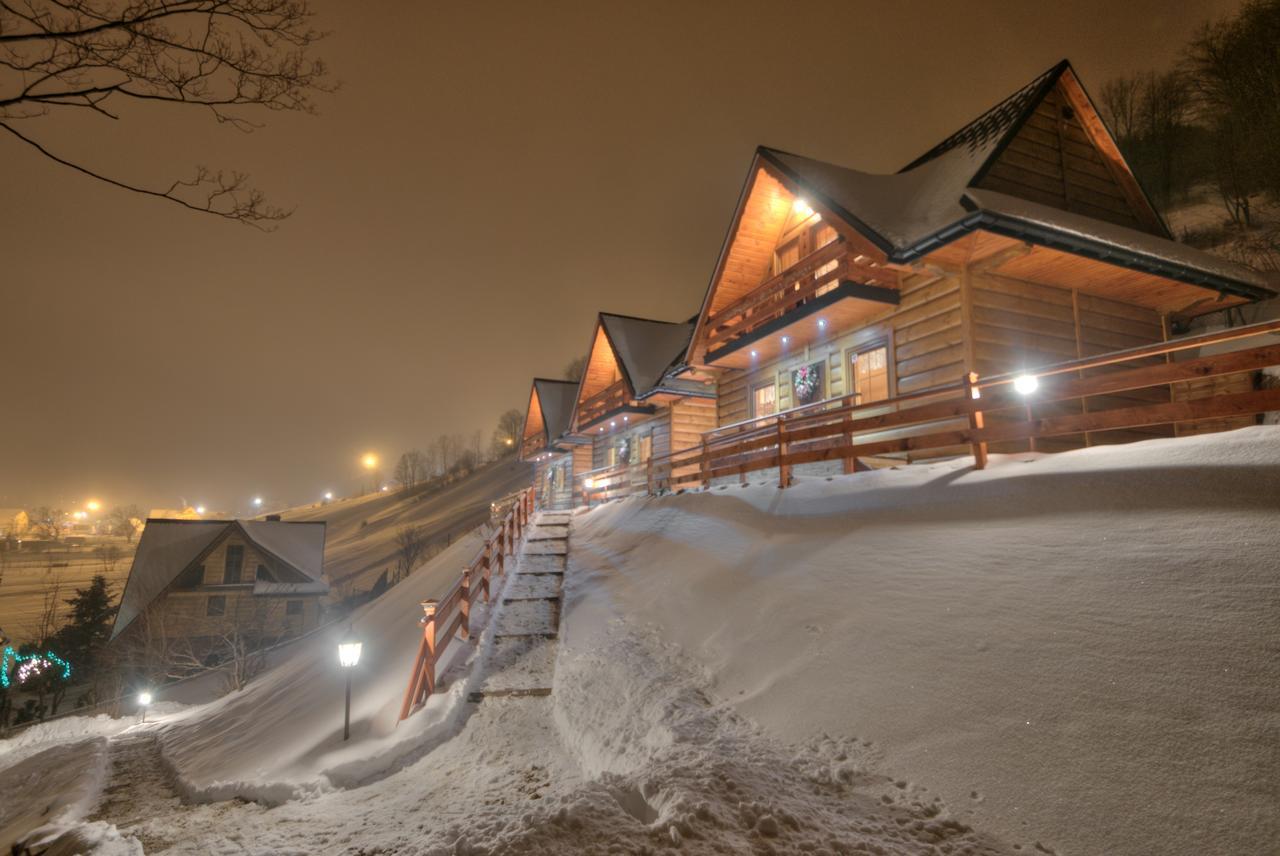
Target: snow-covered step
541 564
528 618
557 547
548 533
522 663
533 587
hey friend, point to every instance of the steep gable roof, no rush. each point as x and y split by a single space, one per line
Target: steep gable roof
169 547
550 408
645 349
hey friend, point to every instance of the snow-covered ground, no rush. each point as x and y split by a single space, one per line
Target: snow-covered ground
1079 649
1071 654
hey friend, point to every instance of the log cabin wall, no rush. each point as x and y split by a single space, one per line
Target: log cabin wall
1017 325
922 335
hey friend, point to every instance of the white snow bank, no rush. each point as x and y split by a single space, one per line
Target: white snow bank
50 790
281 736
45 735
1077 651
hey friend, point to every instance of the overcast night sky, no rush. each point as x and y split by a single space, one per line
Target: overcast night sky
488 177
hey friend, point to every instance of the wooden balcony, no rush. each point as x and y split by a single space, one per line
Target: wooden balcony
611 400
870 289
532 445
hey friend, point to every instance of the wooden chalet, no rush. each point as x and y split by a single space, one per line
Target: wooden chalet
1021 240
200 581
636 398
546 442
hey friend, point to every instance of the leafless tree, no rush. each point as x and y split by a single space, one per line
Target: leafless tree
227 57
411 547
1119 99
575 368
238 650
411 469
46 522
122 519
109 556
506 436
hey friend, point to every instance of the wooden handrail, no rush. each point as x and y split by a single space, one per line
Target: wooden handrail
450 616
954 414
761 293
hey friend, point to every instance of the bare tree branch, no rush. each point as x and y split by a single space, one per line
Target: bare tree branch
224 56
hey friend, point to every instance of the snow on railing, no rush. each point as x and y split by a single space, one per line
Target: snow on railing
953 416
449 617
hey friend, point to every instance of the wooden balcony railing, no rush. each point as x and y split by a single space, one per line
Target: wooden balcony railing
532 445
449 618
606 401
973 413
779 295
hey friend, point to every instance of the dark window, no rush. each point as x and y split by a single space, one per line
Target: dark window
293 607
235 562
263 574
216 605
191 577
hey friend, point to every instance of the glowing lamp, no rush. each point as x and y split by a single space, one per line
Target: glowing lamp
199 509
588 483
1026 384
369 461
801 207
786 339
144 698
257 502
93 505
822 322
348 657
349 651
754 353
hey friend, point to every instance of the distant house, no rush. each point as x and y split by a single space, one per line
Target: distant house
546 443
202 580
14 522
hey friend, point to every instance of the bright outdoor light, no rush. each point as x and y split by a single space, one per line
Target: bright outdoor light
510 442
1026 384
144 698
588 483
786 339
754 354
199 509
328 494
257 502
349 651
801 207
822 322
93 505
369 461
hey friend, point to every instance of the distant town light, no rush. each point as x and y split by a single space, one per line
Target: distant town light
257 502
328 494
199 509
1026 384
369 461
801 207
93 505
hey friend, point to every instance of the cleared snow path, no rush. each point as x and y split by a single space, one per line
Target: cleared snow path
521 661
139 788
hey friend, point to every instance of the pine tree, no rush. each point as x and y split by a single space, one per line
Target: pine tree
82 640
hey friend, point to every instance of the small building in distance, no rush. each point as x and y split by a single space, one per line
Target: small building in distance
557 457
202 582
14 522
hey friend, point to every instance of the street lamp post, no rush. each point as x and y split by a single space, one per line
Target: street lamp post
144 701
348 657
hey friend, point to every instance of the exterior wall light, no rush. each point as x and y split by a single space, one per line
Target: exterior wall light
1026 384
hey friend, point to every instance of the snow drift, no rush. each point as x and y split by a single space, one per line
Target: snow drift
1076 651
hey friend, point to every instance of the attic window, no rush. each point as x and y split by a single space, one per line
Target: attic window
263 575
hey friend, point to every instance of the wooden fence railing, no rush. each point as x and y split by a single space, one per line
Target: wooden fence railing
450 617
974 413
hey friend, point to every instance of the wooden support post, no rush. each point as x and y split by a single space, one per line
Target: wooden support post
648 474
422 682
502 558
487 568
784 469
464 603
972 395
704 467
850 464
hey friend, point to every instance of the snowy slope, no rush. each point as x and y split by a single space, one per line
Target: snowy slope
360 532
1080 650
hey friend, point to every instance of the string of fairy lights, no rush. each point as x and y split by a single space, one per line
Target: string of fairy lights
30 666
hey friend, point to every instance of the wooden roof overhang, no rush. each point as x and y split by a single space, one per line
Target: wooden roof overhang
533 438
604 391
1150 283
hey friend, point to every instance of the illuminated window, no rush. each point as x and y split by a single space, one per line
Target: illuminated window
764 400
642 449
870 372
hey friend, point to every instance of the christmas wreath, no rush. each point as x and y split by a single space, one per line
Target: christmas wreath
806 381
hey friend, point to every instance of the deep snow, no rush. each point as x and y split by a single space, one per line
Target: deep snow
923 660
1080 648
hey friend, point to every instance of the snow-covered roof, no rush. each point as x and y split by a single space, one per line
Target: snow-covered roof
168 547
556 399
908 214
645 349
